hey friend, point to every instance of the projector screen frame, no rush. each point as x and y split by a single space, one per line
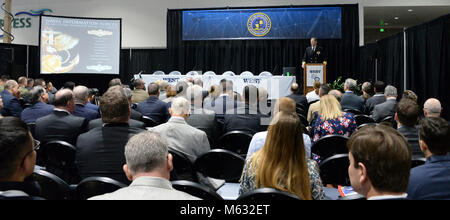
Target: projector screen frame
74 17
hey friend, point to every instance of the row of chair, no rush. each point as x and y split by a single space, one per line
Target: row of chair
211 73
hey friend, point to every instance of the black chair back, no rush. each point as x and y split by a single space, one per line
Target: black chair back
363 119
367 124
220 164
300 110
183 169
389 121
94 186
52 187
59 159
353 111
310 103
334 170
236 141
330 145
149 122
417 161
195 189
267 194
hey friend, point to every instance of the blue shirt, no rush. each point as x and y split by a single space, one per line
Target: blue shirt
85 112
38 110
259 139
431 180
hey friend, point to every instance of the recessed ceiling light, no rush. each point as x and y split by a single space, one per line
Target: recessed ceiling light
386 23
410 10
396 18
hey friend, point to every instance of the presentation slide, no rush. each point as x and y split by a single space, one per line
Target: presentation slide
79 45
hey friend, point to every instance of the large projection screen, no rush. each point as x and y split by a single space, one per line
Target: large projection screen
79 45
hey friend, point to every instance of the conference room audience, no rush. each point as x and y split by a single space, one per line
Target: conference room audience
135 115
61 125
199 82
409 94
171 93
246 117
380 161
349 99
367 91
314 108
287 168
376 99
298 97
50 88
139 92
213 93
153 107
314 95
10 97
431 180
181 88
225 102
200 118
91 101
30 84
162 88
387 108
69 85
337 94
148 166
332 120
81 94
3 80
17 160
100 152
22 81
115 82
41 82
407 116
432 108
40 107
283 104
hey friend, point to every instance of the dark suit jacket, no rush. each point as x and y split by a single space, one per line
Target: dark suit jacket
299 99
155 109
96 123
351 101
85 112
205 120
412 135
38 110
317 56
135 115
221 106
373 101
11 105
100 152
60 126
246 120
384 110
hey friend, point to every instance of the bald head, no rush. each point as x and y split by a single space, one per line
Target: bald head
432 108
64 99
295 88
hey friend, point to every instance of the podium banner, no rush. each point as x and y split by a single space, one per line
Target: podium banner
314 73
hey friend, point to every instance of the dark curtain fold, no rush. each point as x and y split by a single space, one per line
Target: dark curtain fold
368 55
262 55
390 53
428 59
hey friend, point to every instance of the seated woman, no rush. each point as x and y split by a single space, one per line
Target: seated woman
332 120
281 163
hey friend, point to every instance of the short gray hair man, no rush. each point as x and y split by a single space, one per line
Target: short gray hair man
81 94
180 107
350 84
390 91
432 108
38 94
195 95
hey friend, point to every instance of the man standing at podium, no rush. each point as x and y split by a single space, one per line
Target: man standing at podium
314 54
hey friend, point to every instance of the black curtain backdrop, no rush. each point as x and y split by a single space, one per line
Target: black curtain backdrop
390 61
428 59
368 56
262 55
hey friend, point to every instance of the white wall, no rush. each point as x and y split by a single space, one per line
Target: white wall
144 21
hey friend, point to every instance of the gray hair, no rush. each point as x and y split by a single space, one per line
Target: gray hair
128 92
390 91
198 81
195 92
80 93
153 89
35 94
433 106
336 93
146 151
262 93
180 106
351 84
11 84
366 87
163 85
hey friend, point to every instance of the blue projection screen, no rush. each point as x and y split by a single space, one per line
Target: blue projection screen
268 23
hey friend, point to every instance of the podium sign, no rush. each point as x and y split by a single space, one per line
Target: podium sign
312 73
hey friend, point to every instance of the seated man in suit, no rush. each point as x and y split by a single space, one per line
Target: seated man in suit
100 152
225 102
17 159
182 137
10 96
350 100
431 180
298 97
61 125
406 116
245 118
40 108
380 161
139 93
386 109
153 107
378 98
148 166
81 98
200 118
135 115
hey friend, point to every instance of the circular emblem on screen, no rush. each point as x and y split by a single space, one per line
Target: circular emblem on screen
259 24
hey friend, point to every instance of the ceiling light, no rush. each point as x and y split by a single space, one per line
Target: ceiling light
410 10
386 23
396 18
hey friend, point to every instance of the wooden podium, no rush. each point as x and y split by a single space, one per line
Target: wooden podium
311 73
